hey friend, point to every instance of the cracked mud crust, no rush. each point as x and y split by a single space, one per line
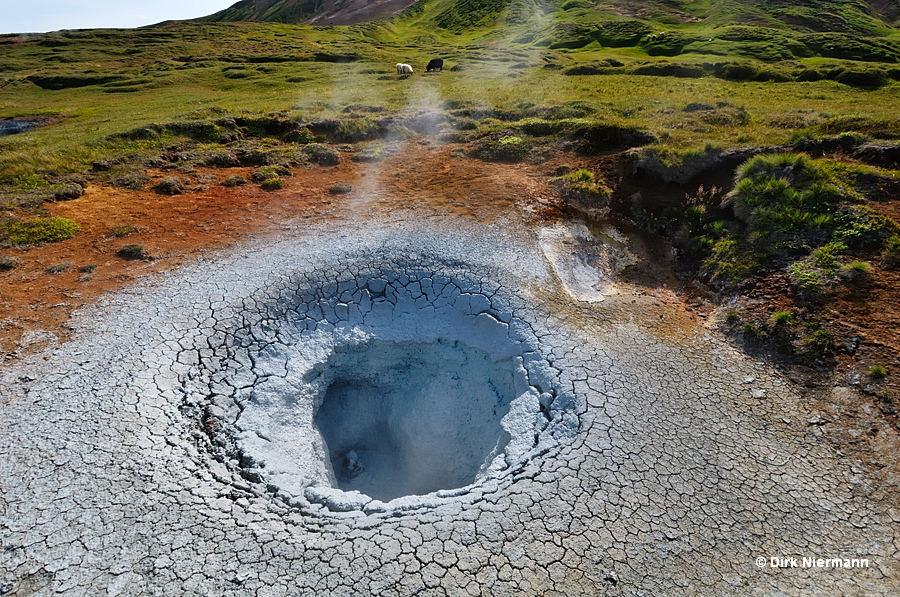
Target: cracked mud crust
683 460
688 461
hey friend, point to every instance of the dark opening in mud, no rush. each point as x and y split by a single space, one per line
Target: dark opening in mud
410 418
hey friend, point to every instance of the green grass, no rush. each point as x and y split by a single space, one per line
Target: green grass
37 230
782 319
787 211
877 371
582 187
179 70
126 95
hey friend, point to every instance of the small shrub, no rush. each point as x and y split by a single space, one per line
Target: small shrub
825 257
726 116
234 181
8 262
68 192
341 188
88 269
891 255
729 261
58 268
505 149
221 159
464 124
855 271
269 172
782 319
369 154
697 107
40 230
667 69
582 187
272 184
123 230
357 129
877 371
750 330
511 149
321 155
169 186
133 181
302 136
132 252
862 77
861 227
732 316
736 71
821 340
805 277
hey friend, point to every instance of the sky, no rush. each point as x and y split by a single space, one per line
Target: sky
38 16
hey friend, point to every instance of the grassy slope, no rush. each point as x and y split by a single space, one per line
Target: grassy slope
855 16
171 72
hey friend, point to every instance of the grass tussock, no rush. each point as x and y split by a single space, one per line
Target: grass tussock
37 230
802 214
582 188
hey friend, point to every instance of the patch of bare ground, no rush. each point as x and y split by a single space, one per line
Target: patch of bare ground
35 305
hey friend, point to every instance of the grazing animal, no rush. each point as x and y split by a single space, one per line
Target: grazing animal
435 64
404 69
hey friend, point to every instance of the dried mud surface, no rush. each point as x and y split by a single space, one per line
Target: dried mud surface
692 459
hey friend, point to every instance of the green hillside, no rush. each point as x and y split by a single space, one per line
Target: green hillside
854 17
771 31
543 71
272 11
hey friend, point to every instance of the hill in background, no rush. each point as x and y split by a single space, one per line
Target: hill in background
856 16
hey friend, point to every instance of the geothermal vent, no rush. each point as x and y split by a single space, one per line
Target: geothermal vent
410 418
384 386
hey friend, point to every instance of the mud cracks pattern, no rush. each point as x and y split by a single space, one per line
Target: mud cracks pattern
653 470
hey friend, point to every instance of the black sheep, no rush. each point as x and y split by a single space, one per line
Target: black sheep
435 64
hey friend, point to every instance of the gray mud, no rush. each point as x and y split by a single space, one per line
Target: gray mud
651 466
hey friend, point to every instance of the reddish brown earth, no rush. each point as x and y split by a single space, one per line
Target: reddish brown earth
174 229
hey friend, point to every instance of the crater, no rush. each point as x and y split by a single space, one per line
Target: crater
411 418
385 388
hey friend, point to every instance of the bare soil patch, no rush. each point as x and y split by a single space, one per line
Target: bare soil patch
35 306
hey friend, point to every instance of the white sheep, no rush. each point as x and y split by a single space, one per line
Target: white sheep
404 69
